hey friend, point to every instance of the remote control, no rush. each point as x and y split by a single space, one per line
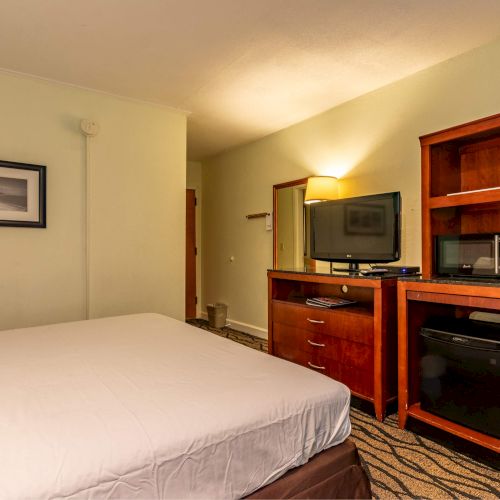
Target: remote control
367 272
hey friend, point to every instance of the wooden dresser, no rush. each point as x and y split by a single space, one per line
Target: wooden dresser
355 344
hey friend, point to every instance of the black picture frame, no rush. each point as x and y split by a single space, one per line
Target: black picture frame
364 219
23 194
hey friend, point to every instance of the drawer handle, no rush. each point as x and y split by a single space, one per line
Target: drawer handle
316 367
315 344
315 321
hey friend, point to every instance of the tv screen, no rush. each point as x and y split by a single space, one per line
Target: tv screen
355 230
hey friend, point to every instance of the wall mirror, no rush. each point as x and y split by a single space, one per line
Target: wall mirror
291 226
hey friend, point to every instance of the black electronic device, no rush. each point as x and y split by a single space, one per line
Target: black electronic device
365 229
402 269
468 255
373 271
460 372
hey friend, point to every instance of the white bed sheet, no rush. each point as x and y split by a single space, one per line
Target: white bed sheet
145 406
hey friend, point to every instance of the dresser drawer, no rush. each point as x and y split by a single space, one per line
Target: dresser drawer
312 360
359 380
349 322
340 350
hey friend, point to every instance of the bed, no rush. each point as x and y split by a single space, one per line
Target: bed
145 406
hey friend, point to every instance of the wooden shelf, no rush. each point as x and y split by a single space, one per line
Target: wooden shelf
463 160
356 280
456 200
349 309
489 442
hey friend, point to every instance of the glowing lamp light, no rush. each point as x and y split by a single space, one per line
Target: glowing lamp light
321 188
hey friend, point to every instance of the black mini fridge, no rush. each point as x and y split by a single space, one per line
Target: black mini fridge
460 372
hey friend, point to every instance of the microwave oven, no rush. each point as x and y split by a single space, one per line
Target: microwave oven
468 255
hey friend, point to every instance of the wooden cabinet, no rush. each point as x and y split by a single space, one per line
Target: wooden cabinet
460 183
355 344
460 195
418 301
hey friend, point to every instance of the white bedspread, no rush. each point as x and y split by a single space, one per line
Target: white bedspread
145 406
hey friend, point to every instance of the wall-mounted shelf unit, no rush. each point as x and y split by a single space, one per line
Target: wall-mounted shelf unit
460 183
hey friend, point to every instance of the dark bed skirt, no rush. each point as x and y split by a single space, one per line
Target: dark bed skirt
333 473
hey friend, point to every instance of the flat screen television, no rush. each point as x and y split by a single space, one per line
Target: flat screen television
365 229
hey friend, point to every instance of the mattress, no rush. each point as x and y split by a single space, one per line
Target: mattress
145 406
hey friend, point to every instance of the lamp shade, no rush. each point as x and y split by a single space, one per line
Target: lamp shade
321 188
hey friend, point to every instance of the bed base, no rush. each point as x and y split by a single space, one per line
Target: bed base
333 473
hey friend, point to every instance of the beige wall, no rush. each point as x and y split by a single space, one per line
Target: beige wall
194 181
371 143
138 210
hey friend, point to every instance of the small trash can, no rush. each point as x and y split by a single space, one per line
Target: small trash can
217 314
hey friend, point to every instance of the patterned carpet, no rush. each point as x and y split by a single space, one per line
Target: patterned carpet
229 333
402 464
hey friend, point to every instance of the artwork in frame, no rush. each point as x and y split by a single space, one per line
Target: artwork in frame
22 194
364 219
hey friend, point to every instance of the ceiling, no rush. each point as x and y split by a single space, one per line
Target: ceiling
242 68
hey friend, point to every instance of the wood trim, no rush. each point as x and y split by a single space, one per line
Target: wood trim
296 182
427 246
379 341
320 278
451 289
270 336
489 442
459 131
457 300
479 197
402 356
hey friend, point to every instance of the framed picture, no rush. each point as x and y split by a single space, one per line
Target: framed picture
364 219
22 194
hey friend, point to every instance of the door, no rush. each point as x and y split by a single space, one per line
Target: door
190 254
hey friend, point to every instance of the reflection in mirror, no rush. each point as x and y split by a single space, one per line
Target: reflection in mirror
291 226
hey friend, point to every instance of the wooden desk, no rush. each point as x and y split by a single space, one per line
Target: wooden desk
417 301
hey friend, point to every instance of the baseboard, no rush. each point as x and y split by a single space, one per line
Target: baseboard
242 327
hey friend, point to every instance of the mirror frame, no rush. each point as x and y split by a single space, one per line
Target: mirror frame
296 182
